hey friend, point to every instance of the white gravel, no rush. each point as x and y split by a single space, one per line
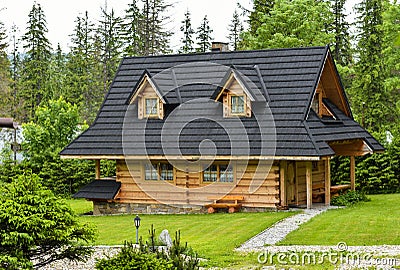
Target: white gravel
278 232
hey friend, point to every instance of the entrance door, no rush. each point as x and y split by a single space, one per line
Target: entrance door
291 183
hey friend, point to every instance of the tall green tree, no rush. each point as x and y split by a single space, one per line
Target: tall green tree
204 36
36 61
187 30
132 29
109 46
155 38
16 70
57 73
261 8
235 29
293 23
342 46
5 80
368 96
84 70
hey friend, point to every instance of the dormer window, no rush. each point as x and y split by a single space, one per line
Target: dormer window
237 105
151 107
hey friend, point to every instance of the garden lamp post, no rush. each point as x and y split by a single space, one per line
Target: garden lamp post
137 225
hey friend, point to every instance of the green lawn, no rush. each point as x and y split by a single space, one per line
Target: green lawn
212 236
370 223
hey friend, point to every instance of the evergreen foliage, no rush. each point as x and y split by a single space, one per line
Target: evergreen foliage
187 30
204 36
235 29
37 228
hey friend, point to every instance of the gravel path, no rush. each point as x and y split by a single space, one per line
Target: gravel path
278 232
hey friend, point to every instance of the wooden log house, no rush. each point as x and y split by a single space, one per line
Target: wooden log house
257 125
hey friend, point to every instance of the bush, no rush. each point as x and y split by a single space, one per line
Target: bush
149 256
349 198
37 226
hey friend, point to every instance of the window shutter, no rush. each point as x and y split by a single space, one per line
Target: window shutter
160 109
225 106
140 108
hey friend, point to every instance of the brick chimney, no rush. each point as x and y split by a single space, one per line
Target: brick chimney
219 47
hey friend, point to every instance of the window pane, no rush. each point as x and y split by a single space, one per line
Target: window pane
210 174
167 172
151 106
226 173
237 104
150 172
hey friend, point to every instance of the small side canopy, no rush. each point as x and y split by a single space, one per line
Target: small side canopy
8 123
105 189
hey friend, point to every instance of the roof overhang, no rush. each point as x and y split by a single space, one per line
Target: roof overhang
232 76
146 79
355 147
193 158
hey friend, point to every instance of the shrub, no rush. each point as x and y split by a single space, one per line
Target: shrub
37 226
149 256
349 198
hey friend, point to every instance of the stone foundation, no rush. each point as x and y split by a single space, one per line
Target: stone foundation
114 208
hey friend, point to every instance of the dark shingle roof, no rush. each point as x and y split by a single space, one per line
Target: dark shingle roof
284 79
99 190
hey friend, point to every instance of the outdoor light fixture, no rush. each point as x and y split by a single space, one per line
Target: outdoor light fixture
137 225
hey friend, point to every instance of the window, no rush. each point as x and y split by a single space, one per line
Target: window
226 174
218 173
160 171
237 105
167 172
151 107
210 174
150 172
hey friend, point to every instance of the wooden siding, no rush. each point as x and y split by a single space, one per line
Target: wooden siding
132 186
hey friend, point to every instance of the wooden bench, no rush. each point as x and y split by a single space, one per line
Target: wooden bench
231 202
318 191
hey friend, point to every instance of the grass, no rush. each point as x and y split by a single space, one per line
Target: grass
369 223
213 237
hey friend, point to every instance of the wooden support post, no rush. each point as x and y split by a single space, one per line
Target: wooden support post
328 181
309 184
282 180
97 168
353 173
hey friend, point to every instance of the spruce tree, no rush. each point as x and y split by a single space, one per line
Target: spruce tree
109 46
15 68
5 80
131 31
235 29
342 46
368 95
35 73
187 30
84 71
155 38
261 8
204 36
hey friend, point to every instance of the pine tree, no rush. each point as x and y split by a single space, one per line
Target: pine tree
131 31
36 62
16 69
57 73
204 36
342 46
155 38
235 29
368 95
187 40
